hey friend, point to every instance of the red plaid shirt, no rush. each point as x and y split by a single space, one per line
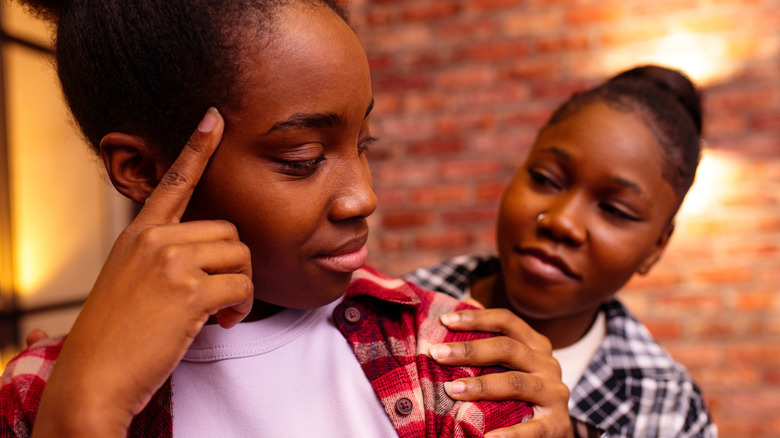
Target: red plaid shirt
390 325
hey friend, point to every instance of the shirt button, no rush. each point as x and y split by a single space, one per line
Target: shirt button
403 406
352 315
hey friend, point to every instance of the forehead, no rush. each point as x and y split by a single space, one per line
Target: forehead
313 62
600 143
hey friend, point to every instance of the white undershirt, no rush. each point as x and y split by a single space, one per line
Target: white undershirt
575 358
290 375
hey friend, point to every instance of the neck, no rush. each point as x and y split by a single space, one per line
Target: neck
562 331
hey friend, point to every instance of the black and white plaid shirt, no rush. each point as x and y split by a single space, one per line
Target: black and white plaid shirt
631 388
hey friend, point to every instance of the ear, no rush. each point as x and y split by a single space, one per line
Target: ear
133 165
658 249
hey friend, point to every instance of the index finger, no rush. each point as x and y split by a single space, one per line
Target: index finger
169 199
500 321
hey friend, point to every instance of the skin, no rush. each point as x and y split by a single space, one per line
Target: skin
596 178
281 203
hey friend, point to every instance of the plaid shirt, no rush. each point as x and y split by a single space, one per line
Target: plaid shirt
631 388
390 325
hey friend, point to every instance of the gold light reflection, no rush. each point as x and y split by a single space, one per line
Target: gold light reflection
715 171
58 196
703 57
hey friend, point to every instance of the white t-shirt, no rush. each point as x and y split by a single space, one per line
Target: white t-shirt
290 375
575 358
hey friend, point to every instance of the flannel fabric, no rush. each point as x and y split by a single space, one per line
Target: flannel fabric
631 388
390 325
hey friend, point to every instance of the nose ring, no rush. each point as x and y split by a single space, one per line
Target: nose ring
539 218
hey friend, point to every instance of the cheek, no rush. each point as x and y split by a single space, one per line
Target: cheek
517 212
617 256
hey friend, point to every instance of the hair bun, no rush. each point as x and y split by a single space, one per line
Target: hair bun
46 9
672 81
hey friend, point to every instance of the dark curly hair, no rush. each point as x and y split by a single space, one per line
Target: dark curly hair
153 67
670 105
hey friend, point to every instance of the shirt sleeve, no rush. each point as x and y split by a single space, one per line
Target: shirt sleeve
23 381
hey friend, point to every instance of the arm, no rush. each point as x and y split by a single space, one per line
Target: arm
159 285
535 375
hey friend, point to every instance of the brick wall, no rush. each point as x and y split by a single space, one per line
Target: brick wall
461 87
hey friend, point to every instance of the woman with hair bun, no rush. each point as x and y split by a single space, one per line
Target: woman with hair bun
241 127
592 205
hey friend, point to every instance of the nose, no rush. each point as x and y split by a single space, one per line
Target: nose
354 197
565 220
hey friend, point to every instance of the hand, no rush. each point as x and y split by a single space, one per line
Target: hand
34 336
161 282
535 375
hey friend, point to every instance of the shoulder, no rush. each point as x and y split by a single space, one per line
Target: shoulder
23 381
666 398
452 277
402 297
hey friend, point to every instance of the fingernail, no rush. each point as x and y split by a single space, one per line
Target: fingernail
209 120
454 388
450 318
439 352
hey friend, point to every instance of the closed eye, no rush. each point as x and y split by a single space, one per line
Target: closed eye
542 180
301 167
364 145
618 213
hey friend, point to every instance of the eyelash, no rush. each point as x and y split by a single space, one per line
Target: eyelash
364 145
618 213
541 179
309 166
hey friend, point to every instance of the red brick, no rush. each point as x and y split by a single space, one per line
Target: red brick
496 51
524 24
436 147
472 215
448 124
655 279
471 30
440 194
757 353
563 43
686 303
491 190
593 14
429 11
473 169
632 34
391 243
406 219
534 69
403 83
465 77
484 5
757 301
664 330
443 240
720 275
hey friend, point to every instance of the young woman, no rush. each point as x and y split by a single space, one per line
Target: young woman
594 204
266 229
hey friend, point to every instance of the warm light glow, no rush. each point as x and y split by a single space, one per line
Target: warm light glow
703 57
716 170
61 204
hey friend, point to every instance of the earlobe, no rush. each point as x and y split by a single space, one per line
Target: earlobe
658 250
133 165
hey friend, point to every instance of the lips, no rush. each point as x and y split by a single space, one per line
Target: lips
542 264
347 257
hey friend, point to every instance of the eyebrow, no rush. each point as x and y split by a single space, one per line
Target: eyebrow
627 184
558 152
314 120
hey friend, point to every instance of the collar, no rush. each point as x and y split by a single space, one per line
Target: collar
368 281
